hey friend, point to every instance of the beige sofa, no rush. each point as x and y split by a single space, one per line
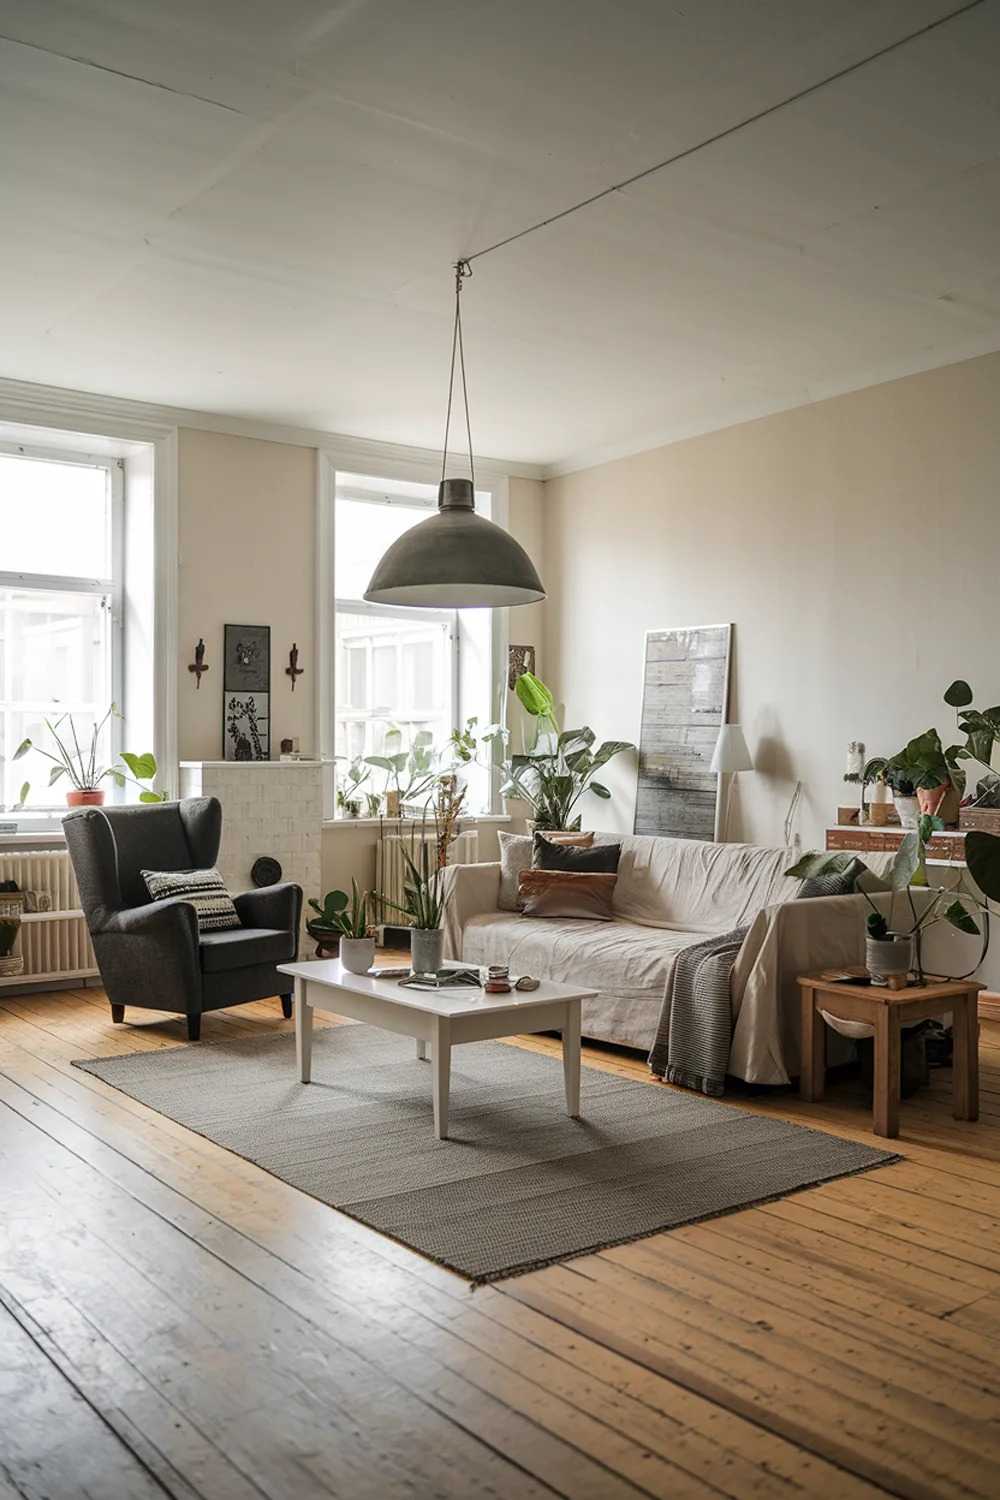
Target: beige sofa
670 893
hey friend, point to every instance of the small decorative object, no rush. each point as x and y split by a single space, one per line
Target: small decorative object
287 746
246 697
519 659
199 665
293 669
76 759
684 701
265 871
497 981
393 802
855 760
344 921
878 805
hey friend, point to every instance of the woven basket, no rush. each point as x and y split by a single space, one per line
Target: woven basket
12 965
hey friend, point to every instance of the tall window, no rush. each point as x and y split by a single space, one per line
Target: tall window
60 606
397 669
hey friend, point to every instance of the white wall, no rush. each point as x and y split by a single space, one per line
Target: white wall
854 545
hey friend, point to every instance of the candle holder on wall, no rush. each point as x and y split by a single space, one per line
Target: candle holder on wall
293 669
199 665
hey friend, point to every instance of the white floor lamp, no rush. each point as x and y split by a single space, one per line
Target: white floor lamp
731 756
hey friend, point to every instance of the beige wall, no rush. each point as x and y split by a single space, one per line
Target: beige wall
247 556
853 543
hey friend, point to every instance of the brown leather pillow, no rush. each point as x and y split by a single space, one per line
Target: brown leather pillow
566 893
515 856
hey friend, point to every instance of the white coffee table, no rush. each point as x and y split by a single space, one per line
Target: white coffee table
441 1018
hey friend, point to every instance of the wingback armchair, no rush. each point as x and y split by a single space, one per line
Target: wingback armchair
150 953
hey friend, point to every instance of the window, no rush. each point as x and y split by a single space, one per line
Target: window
60 606
395 669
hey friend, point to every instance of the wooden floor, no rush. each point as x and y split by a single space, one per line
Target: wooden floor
176 1322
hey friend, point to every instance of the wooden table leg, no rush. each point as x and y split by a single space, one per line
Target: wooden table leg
812 1075
303 1031
571 1058
442 1075
887 1062
965 1061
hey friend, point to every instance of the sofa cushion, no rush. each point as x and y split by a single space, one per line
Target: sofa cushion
548 853
242 946
627 964
515 856
205 889
566 893
697 887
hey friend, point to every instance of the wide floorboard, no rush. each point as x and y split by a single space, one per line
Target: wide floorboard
174 1321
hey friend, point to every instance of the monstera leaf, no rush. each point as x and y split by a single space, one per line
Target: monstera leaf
982 855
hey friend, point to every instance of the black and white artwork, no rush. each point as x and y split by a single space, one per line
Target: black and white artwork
685 688
246 726
246 695
247 667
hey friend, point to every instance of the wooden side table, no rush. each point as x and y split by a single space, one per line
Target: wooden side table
887 1010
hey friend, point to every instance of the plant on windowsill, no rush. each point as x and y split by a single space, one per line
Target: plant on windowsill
79 764
561 765
344 922
424 905
348 798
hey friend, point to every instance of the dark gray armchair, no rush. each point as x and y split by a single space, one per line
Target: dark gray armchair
150 953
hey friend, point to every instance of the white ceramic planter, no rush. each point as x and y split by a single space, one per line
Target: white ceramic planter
908 809
357 954
426 949
887 957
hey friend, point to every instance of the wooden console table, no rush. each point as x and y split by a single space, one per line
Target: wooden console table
887 1010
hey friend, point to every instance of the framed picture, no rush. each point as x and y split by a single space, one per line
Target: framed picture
685 693
246 693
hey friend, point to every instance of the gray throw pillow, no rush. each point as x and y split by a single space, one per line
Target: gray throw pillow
206 891
597 859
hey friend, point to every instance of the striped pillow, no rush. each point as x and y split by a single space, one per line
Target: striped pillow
203 888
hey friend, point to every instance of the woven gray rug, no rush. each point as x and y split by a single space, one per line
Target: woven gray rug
518 1184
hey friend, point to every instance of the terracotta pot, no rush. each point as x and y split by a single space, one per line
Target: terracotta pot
92 797
940 801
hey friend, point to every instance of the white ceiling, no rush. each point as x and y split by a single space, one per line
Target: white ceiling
252 208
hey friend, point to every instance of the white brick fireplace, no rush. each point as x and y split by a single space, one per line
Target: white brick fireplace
270 807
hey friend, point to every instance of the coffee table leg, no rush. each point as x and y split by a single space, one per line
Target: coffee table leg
303 1031
421 1051
965 1062
887 1061
571 1058
442 1075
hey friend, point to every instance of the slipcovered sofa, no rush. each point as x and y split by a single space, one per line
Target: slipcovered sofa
671 893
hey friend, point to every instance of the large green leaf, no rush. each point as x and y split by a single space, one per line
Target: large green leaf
599 790
957 915
149 796
959 695
982 855
821 863
55 774
143 767
22 749
908 866
534 696
609 748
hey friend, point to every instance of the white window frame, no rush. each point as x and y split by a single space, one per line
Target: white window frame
377 462
38 818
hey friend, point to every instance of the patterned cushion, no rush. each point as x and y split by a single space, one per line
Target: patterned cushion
838 883
515 856
203 888
548 853
566 893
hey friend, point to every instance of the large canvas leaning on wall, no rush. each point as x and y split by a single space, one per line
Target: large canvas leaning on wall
685 687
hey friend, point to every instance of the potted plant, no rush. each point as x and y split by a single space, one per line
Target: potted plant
79 764
10 962
888 946
345 920
348 799
933 773
885 776
424 905
561 765
409 774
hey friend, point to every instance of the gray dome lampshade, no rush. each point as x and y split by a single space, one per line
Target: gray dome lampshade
455 560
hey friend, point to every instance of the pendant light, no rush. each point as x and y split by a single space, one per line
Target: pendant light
456 559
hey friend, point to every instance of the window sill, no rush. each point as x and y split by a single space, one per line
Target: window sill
342 824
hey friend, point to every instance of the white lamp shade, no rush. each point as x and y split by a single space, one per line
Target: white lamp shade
731 753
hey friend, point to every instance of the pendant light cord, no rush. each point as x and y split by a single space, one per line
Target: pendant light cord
721 135
462 270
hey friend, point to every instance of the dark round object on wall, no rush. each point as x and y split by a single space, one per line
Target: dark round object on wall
265 871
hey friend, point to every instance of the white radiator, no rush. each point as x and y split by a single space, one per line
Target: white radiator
390 869
55 943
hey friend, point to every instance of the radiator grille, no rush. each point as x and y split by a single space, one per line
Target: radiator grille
390 870
55 943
